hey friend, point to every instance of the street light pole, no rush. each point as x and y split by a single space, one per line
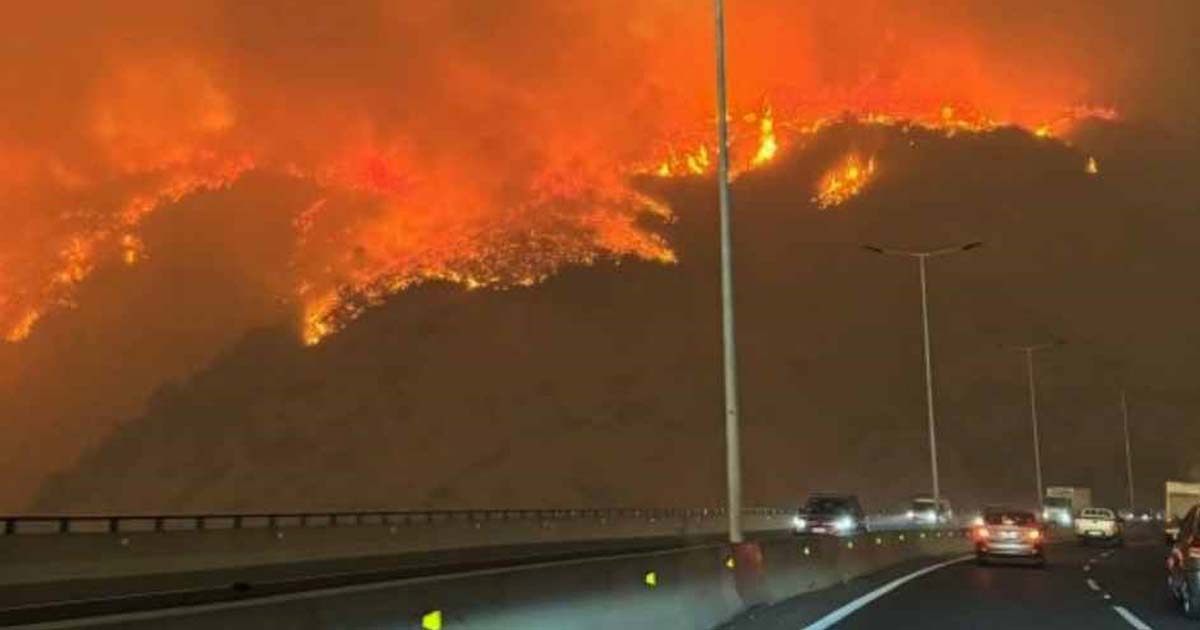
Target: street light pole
933 461
921 257
733 467
1037 447
1128 448
1033 417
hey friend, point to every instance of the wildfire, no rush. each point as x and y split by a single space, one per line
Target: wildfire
473 167
21 329
768 145
843 181
768 141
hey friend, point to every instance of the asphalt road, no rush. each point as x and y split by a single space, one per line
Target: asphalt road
1081 587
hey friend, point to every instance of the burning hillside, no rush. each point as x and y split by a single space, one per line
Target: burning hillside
602 386
443 142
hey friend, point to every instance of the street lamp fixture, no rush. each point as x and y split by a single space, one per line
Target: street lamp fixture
1037 449
922 256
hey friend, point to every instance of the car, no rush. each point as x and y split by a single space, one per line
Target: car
1099 524
830 514
1010 534
926 511
1183 565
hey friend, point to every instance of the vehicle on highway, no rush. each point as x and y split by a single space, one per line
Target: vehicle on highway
830 514
924 510
1181 496
1010 534
1183 565
1062 503
1099 524
1138 515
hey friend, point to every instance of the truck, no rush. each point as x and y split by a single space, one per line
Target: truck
1181 496
1062 503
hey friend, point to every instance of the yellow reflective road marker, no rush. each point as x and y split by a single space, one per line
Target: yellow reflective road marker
807 551
850 544
901 537
878 540
729 562
651 579
432 620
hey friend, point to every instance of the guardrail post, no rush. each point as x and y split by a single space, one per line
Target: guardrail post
237 522
114 525
158 524
64 525
199 522
10 526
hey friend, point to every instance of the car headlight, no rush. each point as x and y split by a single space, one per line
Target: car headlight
844 524
799 522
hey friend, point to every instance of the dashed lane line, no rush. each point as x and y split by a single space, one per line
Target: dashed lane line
1131 618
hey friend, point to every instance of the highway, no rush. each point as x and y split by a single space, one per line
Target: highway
1082 587
39 602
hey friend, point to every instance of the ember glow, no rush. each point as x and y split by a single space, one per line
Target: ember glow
489 156
845 180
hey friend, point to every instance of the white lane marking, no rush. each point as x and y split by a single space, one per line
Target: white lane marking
1092 584
1131 618
845 611
1107 596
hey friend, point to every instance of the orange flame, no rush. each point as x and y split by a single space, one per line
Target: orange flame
843 181
501 172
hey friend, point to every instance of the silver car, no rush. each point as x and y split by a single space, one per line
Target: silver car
1010 534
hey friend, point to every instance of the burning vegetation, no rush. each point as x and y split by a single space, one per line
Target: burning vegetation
844 181
479 166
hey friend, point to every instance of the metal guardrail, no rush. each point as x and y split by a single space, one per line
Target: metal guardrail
116 523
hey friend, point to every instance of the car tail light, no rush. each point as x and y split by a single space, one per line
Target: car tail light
1033 534
982 533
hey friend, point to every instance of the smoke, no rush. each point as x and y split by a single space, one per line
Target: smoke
487 143
374 146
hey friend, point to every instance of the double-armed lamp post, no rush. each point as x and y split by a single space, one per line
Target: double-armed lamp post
921 257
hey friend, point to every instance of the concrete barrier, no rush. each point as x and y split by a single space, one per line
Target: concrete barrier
50 557
691 587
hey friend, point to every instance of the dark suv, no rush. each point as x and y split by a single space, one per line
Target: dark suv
1183 565
832 514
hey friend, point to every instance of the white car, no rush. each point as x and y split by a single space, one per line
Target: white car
1099 524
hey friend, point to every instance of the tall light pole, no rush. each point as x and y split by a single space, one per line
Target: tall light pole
921 257
1128 449
733 466
1037 448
